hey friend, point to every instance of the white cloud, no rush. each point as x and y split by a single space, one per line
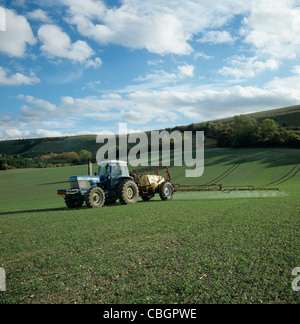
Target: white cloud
46 133
57 43
88 8
18 35
158 79
155 62
288 84
16 79
37 110
217 37
96 63
273 28
202 55
167 105
39 15
186 70
15 133
133 117
296 69
159 33
242 67
161 27
88 105
2 20
155 79
206 104
7 122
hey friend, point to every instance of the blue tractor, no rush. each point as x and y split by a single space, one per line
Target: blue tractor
113 182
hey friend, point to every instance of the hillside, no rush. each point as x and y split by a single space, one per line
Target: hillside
289 116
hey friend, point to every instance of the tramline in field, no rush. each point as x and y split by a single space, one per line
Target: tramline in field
115 182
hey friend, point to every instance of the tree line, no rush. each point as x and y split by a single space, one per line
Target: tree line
245 131
43 159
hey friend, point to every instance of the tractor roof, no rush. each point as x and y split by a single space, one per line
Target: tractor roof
113 163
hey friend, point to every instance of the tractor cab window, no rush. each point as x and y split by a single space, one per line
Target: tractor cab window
119 171
104 170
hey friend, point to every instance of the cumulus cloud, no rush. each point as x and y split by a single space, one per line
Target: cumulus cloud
273 27
15 133
70 110
84 105
167 105
39 15
8 122
161 78
35 110
57 43
206 104
161 27
96 63
46 133
217 37
242 67
18 34
289 84
296 69
186 70
159 33
16 79
2 20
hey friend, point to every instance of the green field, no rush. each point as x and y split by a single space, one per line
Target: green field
234 247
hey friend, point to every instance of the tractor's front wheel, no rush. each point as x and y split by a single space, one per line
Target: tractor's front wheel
128 192
166 191
95 198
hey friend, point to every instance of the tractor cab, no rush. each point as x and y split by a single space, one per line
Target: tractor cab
110 173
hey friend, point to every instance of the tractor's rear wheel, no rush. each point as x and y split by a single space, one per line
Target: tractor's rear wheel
166 191
128 192
73 203
95 198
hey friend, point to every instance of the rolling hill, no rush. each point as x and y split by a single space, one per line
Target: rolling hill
289 116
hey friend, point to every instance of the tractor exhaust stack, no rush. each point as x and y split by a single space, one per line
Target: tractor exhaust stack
90 168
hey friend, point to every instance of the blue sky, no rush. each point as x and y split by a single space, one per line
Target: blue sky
71 67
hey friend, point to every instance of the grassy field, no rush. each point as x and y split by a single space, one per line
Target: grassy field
238 247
